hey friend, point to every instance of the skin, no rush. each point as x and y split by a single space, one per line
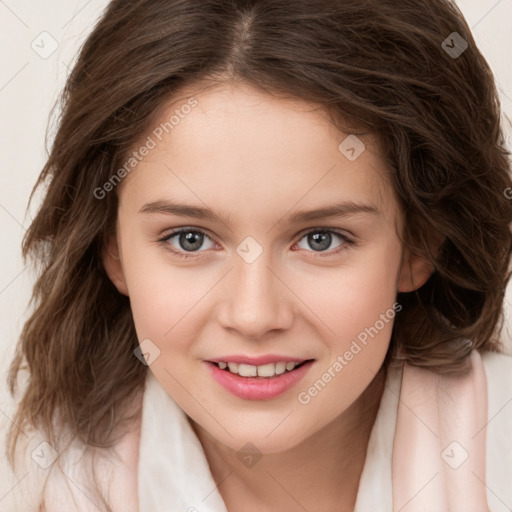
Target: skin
256 158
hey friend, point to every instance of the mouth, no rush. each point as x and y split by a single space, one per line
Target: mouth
259 382
265 371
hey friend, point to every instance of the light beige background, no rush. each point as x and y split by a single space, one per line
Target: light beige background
29 84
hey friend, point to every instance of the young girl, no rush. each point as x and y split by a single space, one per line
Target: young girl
273 251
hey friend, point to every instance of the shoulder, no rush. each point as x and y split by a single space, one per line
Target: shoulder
45 480
497 364
498 371
26 482
114 481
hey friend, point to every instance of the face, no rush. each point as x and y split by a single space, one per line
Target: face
254 233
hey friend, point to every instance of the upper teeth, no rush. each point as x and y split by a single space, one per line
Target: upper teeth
265 370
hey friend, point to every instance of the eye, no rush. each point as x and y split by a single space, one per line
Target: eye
183 240
321 239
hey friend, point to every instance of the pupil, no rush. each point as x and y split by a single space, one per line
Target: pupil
187 240
323 239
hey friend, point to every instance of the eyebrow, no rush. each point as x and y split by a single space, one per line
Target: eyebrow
338 210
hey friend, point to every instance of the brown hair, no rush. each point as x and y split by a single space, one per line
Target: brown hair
381 64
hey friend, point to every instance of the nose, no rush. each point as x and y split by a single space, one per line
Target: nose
257 300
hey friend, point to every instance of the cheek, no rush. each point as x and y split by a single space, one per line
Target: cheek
159 292
359 308
351 297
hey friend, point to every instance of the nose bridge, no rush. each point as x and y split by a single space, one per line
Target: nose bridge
255 300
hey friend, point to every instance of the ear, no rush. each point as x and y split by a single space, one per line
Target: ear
113 266
414 272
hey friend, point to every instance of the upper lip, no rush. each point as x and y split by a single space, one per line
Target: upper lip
257 361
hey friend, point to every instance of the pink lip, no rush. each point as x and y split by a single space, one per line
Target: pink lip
258 388
257 361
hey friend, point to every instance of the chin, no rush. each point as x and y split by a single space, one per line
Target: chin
261 442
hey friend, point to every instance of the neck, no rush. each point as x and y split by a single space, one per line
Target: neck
321 473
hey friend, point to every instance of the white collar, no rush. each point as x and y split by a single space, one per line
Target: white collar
173 472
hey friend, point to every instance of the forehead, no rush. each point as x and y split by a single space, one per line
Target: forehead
234 146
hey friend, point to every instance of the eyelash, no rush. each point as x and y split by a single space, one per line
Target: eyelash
319 254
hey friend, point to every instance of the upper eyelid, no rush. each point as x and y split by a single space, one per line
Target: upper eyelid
186 229
337 231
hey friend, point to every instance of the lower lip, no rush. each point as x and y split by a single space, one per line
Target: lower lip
258 388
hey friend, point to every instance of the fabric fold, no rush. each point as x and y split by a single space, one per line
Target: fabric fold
439 450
